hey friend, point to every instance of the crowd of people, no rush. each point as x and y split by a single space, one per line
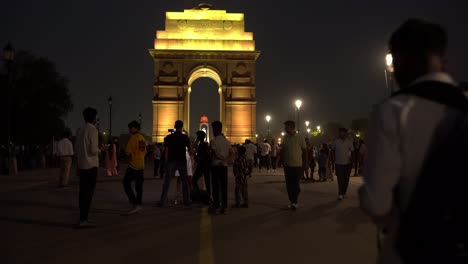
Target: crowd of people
413 182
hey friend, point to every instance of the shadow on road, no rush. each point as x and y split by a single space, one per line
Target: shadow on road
36 222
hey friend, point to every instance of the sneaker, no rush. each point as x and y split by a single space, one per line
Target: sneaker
85 224
294 206
340 197
136 209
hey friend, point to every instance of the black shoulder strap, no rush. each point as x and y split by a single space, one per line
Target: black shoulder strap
440 92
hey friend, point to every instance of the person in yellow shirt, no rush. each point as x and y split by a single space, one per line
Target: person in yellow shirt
136 151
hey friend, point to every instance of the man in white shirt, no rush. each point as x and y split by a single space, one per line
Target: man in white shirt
343 148
87 154
401 132
222 153
65 153
265 150
250 151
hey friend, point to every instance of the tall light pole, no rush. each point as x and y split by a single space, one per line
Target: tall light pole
298 104
268 118
9 58
389 72
109 100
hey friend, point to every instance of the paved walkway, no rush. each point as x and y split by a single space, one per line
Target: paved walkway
36 223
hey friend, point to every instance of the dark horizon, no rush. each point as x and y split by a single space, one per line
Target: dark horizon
331 56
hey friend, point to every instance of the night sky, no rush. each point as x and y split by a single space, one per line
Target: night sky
328 53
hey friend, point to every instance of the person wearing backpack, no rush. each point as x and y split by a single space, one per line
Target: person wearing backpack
414 176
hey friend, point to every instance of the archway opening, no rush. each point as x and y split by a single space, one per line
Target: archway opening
204 100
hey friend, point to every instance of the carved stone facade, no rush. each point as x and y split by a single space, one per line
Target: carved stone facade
205 43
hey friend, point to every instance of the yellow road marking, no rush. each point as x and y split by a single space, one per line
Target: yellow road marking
206 238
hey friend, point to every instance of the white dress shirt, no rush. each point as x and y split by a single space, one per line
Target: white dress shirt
64 148
86 147
221 147
400 134
343 149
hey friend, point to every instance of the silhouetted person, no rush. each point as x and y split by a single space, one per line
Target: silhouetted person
65 153
176 145
415 171
343 147
294 156
87 154
203 164
222 154
136 152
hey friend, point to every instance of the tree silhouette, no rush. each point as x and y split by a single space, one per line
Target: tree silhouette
40 100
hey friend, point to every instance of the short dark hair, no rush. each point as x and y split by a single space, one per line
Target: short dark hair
201 134
134 124
89 114
241 150
179 124
290 123
217 126
66 134
247 141
419 37
343 129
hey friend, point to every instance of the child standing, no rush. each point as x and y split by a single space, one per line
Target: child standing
241 171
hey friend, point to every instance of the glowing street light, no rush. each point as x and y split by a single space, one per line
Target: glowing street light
318 128
308 130
307 123
389 72
389 61
282 134
298 104
268 118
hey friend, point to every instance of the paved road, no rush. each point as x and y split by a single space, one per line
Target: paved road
36 223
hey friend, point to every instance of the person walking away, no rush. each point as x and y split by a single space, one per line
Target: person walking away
322 160
65 152
274 155
295 161
87 155
250 152
156 159
221 157
136 152
202 167
176 145
242 171
343 147
415 173
111 160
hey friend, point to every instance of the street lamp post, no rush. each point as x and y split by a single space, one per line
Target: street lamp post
109 100
298 104
268 118
389 72
9 58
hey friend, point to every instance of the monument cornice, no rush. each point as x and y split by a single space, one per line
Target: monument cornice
204 55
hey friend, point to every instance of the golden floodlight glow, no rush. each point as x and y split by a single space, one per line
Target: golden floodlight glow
204 30
389 59
190 14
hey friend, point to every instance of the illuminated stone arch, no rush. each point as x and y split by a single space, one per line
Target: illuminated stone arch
198 43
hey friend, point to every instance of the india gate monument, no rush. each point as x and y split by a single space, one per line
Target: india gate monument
203 42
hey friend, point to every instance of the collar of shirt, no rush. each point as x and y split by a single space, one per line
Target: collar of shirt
436 76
